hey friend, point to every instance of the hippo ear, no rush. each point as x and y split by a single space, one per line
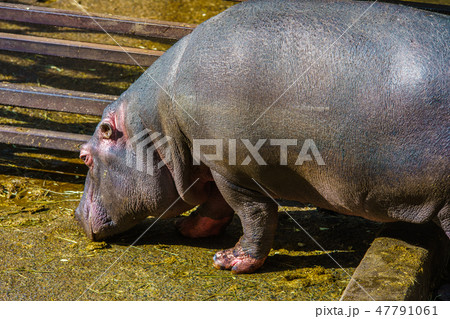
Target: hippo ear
106 130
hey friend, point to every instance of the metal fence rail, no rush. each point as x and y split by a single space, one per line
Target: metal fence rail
77 50
54 99
114 24
42 138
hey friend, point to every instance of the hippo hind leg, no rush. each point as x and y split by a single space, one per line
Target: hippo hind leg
209 219
258 215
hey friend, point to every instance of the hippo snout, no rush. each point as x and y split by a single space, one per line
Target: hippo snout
84 223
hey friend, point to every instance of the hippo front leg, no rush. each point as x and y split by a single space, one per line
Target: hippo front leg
209 219
259 216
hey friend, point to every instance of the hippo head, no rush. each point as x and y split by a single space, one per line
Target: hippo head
117 196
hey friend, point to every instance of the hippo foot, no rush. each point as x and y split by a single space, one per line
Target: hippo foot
196 226
237 260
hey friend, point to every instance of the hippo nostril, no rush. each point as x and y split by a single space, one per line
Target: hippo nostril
86 157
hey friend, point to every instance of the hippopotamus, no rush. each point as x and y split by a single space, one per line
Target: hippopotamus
340 104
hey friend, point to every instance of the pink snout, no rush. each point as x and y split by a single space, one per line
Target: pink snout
86 156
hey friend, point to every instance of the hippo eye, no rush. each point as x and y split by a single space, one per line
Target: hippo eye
106 130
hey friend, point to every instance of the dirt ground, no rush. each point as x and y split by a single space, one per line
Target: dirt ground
45 255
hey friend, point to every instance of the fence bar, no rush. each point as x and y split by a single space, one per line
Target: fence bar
95 22
42 138
54 99
77 50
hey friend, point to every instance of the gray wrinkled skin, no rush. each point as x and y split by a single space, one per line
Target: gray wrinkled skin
374 100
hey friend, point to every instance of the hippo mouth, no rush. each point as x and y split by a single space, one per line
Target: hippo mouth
92 216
